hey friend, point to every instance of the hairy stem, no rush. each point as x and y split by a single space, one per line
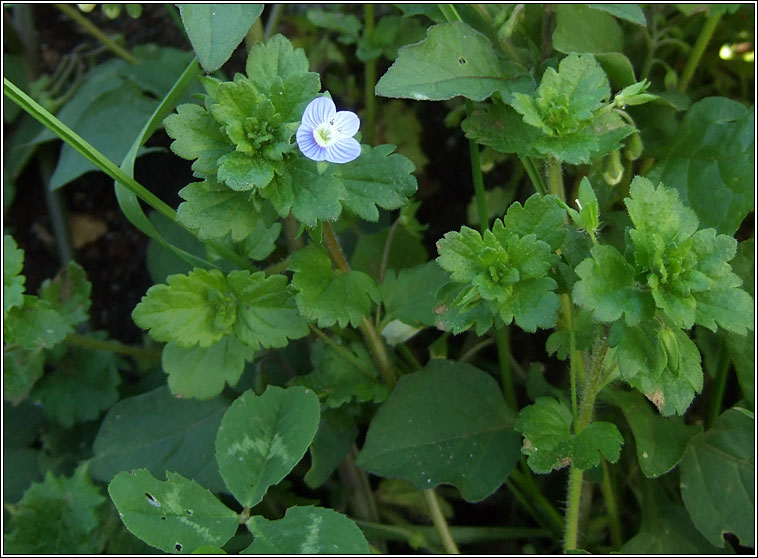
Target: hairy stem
76 340
586 407
92 29
609 496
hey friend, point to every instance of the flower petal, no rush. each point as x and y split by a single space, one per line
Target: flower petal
347 123
318 111
307 144
343 150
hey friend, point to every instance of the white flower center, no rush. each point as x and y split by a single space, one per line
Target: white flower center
326 133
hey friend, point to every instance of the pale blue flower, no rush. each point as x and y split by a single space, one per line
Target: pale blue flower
327 135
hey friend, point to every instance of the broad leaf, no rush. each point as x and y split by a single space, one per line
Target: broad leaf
13 281
335 436
176 515
215 30
718 478
660 442
453 60
306 530
581 28
710 161
158 432
409 295
409 438
261 438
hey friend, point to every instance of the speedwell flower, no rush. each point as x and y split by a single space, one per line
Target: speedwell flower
327 135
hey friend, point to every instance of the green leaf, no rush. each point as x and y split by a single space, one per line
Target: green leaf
546 426
276 58
710 161
369 251
197 136
335 436
21 369
158 432
203 307
328 296
666 528
581 28
83 384
202 372
669 380
340 376
718 478
629 12
176 515
261 438
57 516
409 295
376 178
189 310
409 438
502 128
306 530
215 30
453 60
540 215
36 324
13 281
266 314
504 269
660 442
607 288
69 293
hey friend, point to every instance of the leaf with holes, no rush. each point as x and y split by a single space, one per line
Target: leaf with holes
176 515
261 438
306 530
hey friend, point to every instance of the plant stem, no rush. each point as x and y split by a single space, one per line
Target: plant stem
372 337
697 51
438 518
524 479
92 29
369 77
568 320
586 407
463 534
76 340
717 392
503 353
534 175
273 20
555 178
610 504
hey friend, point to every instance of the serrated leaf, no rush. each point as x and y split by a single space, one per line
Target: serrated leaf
504 269
266 314
549 443
83 384
36 324
215 30
21 369
328 296
710 160
176 515
453 60
274 58
197 136
376 178
335 436
213 211
409 439
502 128
13 281
718 478
69 293
660 442
57 516
342 376
607 288
201 372
159 432
261 438
540 215
306 530
409 295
